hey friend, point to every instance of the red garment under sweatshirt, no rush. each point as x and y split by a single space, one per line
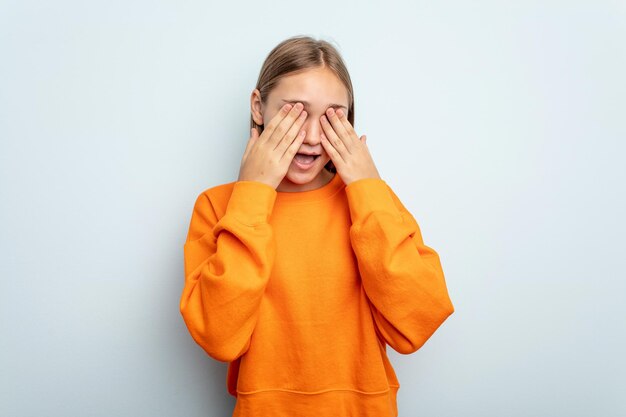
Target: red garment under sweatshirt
299 292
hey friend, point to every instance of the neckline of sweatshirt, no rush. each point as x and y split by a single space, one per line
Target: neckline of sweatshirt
304 197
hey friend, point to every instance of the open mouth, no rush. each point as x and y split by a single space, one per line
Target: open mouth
305 159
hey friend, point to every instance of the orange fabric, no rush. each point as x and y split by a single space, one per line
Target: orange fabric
301 292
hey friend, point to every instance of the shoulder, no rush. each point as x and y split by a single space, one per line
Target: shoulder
398 203
214 198
217 191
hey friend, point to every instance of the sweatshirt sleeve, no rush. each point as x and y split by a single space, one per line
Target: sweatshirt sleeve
401 276
227 266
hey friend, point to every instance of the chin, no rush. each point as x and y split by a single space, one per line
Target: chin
299 177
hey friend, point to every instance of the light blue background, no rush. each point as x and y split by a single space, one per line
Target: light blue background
500 125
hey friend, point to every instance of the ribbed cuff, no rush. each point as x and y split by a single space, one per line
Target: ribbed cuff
251 202
367 195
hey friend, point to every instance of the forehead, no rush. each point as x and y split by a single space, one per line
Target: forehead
317 86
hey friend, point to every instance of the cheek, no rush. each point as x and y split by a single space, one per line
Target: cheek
268 114
267 117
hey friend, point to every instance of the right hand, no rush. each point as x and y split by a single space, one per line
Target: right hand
267 157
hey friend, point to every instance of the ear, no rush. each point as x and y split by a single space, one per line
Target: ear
256 107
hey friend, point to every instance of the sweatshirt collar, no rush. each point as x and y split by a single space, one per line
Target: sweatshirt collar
325 191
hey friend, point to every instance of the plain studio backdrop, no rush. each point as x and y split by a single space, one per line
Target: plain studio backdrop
500 125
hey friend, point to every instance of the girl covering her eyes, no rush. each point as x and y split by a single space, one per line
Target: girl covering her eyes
301 272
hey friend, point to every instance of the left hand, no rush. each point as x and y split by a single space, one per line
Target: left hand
348 152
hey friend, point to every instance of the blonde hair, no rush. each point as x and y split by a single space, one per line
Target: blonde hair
299 53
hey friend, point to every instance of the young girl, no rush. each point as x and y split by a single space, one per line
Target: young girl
300 273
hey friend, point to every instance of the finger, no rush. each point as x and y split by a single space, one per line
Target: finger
275 121
331 151
293 148
284 125
333 138
340 129
346 124
294 130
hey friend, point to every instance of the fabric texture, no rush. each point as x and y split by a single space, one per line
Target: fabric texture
301 292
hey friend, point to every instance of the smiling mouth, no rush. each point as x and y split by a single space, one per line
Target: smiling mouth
305 159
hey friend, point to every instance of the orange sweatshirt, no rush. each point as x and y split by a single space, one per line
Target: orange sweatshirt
300 293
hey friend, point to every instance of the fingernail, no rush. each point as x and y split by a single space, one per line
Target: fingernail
330 111
340 113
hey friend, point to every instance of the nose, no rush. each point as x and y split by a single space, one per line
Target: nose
313 128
